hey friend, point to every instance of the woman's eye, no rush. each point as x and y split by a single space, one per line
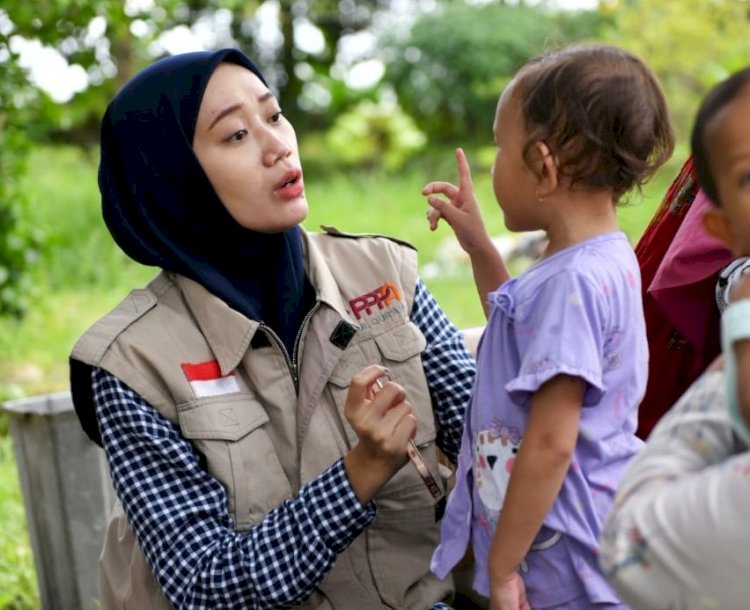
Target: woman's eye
276 117
238 136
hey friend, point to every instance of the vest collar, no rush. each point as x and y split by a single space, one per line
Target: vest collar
229 333
226 330
326 288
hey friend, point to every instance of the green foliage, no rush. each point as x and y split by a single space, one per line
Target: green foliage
17 239
18 587
131 39
97 37
689 48
456 61
80 271
62 189
371 134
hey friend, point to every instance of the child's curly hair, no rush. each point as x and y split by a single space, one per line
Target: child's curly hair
602 113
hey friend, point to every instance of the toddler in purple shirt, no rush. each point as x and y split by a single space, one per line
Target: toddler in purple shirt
563 361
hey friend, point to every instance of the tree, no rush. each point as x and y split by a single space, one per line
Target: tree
452 65
690 49
17 241
112 39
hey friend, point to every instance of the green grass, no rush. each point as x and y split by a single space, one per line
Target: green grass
81 275
18 588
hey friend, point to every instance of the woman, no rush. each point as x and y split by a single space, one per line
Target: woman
236 396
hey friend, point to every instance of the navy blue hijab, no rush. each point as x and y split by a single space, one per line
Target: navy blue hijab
162 211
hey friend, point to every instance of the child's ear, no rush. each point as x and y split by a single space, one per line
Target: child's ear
718 224
548 180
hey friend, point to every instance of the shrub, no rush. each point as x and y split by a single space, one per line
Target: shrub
18 242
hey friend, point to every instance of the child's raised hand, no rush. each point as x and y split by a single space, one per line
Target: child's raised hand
460 210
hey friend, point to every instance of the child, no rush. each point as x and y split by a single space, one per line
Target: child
721 146
563 361
677 535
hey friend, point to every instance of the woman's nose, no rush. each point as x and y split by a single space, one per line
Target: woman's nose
277 148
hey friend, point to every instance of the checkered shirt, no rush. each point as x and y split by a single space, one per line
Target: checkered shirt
179 512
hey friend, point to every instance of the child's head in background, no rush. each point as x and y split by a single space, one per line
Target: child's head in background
593 114
720 143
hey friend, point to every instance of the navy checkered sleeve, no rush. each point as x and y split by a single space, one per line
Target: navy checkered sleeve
207 563
449 369
179 516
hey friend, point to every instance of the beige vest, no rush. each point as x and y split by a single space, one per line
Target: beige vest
277 425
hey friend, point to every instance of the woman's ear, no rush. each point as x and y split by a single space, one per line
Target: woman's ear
718 224
548 175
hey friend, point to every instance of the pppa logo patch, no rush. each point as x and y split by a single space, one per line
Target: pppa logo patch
379 298
205 379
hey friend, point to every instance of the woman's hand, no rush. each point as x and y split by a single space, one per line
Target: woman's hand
508 593
384 424
461 210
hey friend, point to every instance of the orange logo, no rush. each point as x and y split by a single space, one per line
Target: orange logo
381 297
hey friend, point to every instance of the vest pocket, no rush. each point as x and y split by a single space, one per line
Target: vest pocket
230 432
401 544
398 348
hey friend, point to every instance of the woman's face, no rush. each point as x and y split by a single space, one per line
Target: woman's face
249 151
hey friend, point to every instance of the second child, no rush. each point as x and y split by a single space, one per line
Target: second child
721 146
563 361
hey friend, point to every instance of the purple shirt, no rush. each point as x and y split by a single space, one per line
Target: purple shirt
578 312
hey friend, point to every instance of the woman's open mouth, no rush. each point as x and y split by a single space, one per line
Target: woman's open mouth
290 186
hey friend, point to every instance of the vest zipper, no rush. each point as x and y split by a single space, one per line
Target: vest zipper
295 350
292 362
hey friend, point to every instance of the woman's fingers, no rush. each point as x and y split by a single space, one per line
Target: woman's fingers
398 425
361 393
377 409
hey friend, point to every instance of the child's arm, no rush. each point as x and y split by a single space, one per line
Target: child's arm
736 335
462 213
542 461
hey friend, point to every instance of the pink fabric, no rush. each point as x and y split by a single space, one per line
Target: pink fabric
693 255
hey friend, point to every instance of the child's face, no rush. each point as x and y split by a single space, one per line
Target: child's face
512 180
249 151
727 139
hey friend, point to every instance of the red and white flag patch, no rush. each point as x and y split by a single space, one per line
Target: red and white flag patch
206 379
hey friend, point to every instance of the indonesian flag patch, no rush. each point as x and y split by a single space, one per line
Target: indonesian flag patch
206 380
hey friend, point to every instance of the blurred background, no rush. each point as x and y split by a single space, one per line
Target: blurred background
380 93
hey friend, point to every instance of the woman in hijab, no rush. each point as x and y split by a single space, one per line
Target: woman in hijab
258 399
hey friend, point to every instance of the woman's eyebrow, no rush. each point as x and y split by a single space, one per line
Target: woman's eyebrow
234 107
222 113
